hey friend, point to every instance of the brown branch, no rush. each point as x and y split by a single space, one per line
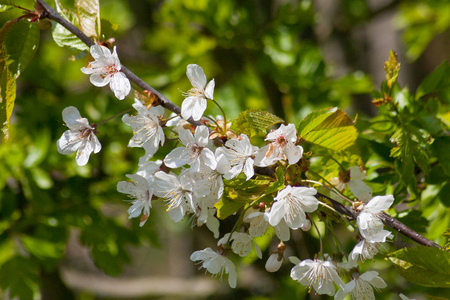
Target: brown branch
387 220
51 14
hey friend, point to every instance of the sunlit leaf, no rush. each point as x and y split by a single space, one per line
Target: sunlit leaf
427 266
8 97
88 12
43 249
330 128
64 37
20 44
256 122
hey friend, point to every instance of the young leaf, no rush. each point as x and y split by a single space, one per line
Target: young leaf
8 97
88 12
64 37
255 122
391 67
19 45
19 276
277 185
226 207
439 79
427 266
237 193
330 128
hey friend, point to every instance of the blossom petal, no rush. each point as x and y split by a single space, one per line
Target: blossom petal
83 154
209 158
98 51
379 203
293 153
120 85
201 135
178 157
71 116
209 90
99 80
69 142
196 76
276 213
361 190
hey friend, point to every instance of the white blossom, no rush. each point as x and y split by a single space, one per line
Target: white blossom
147 132
361 287
105 69
259 222
177 192
177 123
282 146
292 204
242 243
195 104
240 154
318 274
80 137
362 252
195 153
369 224
140 191
216 264
147 169
274 262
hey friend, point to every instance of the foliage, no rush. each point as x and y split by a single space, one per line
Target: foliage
261 56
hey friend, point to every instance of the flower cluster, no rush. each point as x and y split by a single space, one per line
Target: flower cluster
195 177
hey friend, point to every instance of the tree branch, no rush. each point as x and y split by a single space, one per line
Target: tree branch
51 14
387 220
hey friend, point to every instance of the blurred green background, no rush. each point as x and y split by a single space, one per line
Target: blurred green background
64 232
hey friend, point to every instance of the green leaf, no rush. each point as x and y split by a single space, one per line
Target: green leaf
427 266
438 79
277 185
19 45
443 195
330 128
8 97
227 206
238 192
20 276
88 12
255 122
43 249
64 37
441 146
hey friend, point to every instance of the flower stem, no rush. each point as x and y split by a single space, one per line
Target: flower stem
341 215
224 116
331 187
332 158
320 237
116 115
